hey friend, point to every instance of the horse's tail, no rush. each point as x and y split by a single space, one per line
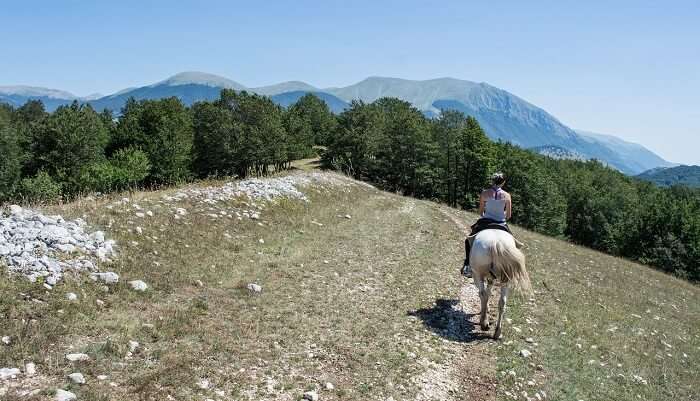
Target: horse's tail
509 266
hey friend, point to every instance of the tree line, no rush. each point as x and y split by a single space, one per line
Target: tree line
75 150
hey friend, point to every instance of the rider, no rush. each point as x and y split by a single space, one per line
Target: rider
494 209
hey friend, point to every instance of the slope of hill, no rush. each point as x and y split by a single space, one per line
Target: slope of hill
358 288
635 155
503 115
679 175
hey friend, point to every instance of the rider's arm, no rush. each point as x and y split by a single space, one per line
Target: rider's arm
508 208
482 202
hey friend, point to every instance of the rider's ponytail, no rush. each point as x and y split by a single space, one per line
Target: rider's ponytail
498 179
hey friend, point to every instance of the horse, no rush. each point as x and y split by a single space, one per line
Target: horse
495 258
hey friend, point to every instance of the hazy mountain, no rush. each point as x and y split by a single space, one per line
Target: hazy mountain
189 87
503 116
189 78
679 175
284 87
19 95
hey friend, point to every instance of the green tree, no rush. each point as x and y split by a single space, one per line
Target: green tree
10 160
317 115
354 145
218 140
68 139
163 130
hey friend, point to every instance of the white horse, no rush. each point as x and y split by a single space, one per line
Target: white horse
495 257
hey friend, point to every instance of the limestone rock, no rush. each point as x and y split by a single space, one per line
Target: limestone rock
254 287
63 395
138 285
77 378
77 357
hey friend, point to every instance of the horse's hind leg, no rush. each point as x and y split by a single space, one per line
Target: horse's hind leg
501 311
484 296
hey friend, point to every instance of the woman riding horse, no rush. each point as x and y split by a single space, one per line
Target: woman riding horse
494 209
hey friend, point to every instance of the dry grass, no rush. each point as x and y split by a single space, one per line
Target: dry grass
334 307
365 303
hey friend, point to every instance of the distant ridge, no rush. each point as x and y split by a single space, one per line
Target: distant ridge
503 116
678 175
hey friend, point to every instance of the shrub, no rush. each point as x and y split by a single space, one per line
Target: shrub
126 168
40 188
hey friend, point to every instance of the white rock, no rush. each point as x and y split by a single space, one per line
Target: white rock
63 395
139 230
6 340
525 353
254 287
8 373
310 396
107 277
71 296
102 377
329 386
138 285
77 378
347 216
77 357
15 210
203 384
262 241
133 345
30 369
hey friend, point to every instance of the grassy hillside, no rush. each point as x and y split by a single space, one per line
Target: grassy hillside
360 289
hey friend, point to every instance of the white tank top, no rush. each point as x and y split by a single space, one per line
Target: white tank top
495 209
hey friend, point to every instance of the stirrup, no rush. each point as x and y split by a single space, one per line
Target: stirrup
466 270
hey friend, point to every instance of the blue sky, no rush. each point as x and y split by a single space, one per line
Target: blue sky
628 68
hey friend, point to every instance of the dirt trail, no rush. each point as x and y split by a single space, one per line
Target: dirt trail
470 375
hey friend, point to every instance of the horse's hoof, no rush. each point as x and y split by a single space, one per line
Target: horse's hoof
497 334
485 327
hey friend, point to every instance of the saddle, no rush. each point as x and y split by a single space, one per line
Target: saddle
495 226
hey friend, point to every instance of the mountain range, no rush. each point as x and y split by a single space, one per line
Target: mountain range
504 116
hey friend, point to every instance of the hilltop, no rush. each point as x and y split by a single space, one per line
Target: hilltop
679 175
503 115
266 289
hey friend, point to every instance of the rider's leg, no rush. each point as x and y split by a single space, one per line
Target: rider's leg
476 227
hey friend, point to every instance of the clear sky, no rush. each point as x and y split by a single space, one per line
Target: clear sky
628 68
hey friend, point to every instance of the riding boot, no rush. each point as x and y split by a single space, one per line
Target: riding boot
466 269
